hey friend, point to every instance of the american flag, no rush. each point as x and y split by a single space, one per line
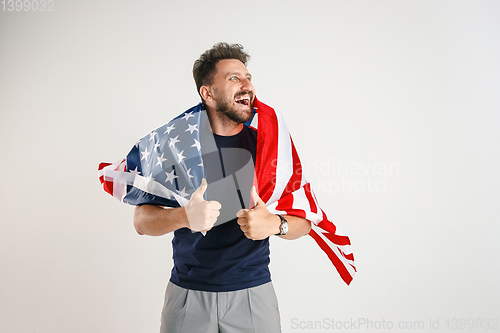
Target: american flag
166 166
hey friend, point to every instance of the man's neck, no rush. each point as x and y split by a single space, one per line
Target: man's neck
222 125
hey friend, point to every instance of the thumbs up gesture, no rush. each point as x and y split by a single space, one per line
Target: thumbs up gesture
201 214
257 223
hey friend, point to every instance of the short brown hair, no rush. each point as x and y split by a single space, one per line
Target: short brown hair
204 67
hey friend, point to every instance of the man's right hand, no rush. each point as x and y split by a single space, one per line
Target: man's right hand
201 214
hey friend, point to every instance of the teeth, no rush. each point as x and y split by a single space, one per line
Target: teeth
242 98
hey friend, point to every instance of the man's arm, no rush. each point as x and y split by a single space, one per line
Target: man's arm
156 221
297 227
197 215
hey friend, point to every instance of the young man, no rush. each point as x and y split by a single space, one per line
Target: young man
221 281
204 166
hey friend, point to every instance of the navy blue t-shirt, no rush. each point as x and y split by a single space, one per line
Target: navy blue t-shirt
224 259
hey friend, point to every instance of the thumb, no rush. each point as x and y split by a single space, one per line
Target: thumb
201 190
241 212
255 197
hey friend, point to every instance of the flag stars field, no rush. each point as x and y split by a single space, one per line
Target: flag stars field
161 159
171 176
137 172
196 144
182 192
192 128
169 128
180 157
144 154
187 115
173 141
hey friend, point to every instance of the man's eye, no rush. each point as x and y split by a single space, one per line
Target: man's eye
234 78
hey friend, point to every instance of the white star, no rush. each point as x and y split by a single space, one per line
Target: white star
188 173
169 128
157 145
171 177
201 164
182 193
196 144
187 115
152 135
173 141
192 128
161 159
145 154
137 172
180 157
150 176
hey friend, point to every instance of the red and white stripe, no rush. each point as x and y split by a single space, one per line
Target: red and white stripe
115 178
281 184
106 172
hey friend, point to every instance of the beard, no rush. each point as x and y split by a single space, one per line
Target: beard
228 112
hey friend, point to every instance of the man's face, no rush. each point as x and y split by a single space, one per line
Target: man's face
233 91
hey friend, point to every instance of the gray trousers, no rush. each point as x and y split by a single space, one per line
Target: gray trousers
192 311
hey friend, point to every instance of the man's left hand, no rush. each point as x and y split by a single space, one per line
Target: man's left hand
257 223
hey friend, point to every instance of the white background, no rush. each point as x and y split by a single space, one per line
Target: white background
403 94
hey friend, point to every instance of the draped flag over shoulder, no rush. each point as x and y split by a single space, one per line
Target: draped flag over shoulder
166 167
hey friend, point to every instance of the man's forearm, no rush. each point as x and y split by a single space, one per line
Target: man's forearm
297 227
156 221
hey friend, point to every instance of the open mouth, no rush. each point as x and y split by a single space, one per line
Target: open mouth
243 100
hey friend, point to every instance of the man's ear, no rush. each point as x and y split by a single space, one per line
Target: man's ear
206 93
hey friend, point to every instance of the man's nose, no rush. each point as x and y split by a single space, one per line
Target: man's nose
246 85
